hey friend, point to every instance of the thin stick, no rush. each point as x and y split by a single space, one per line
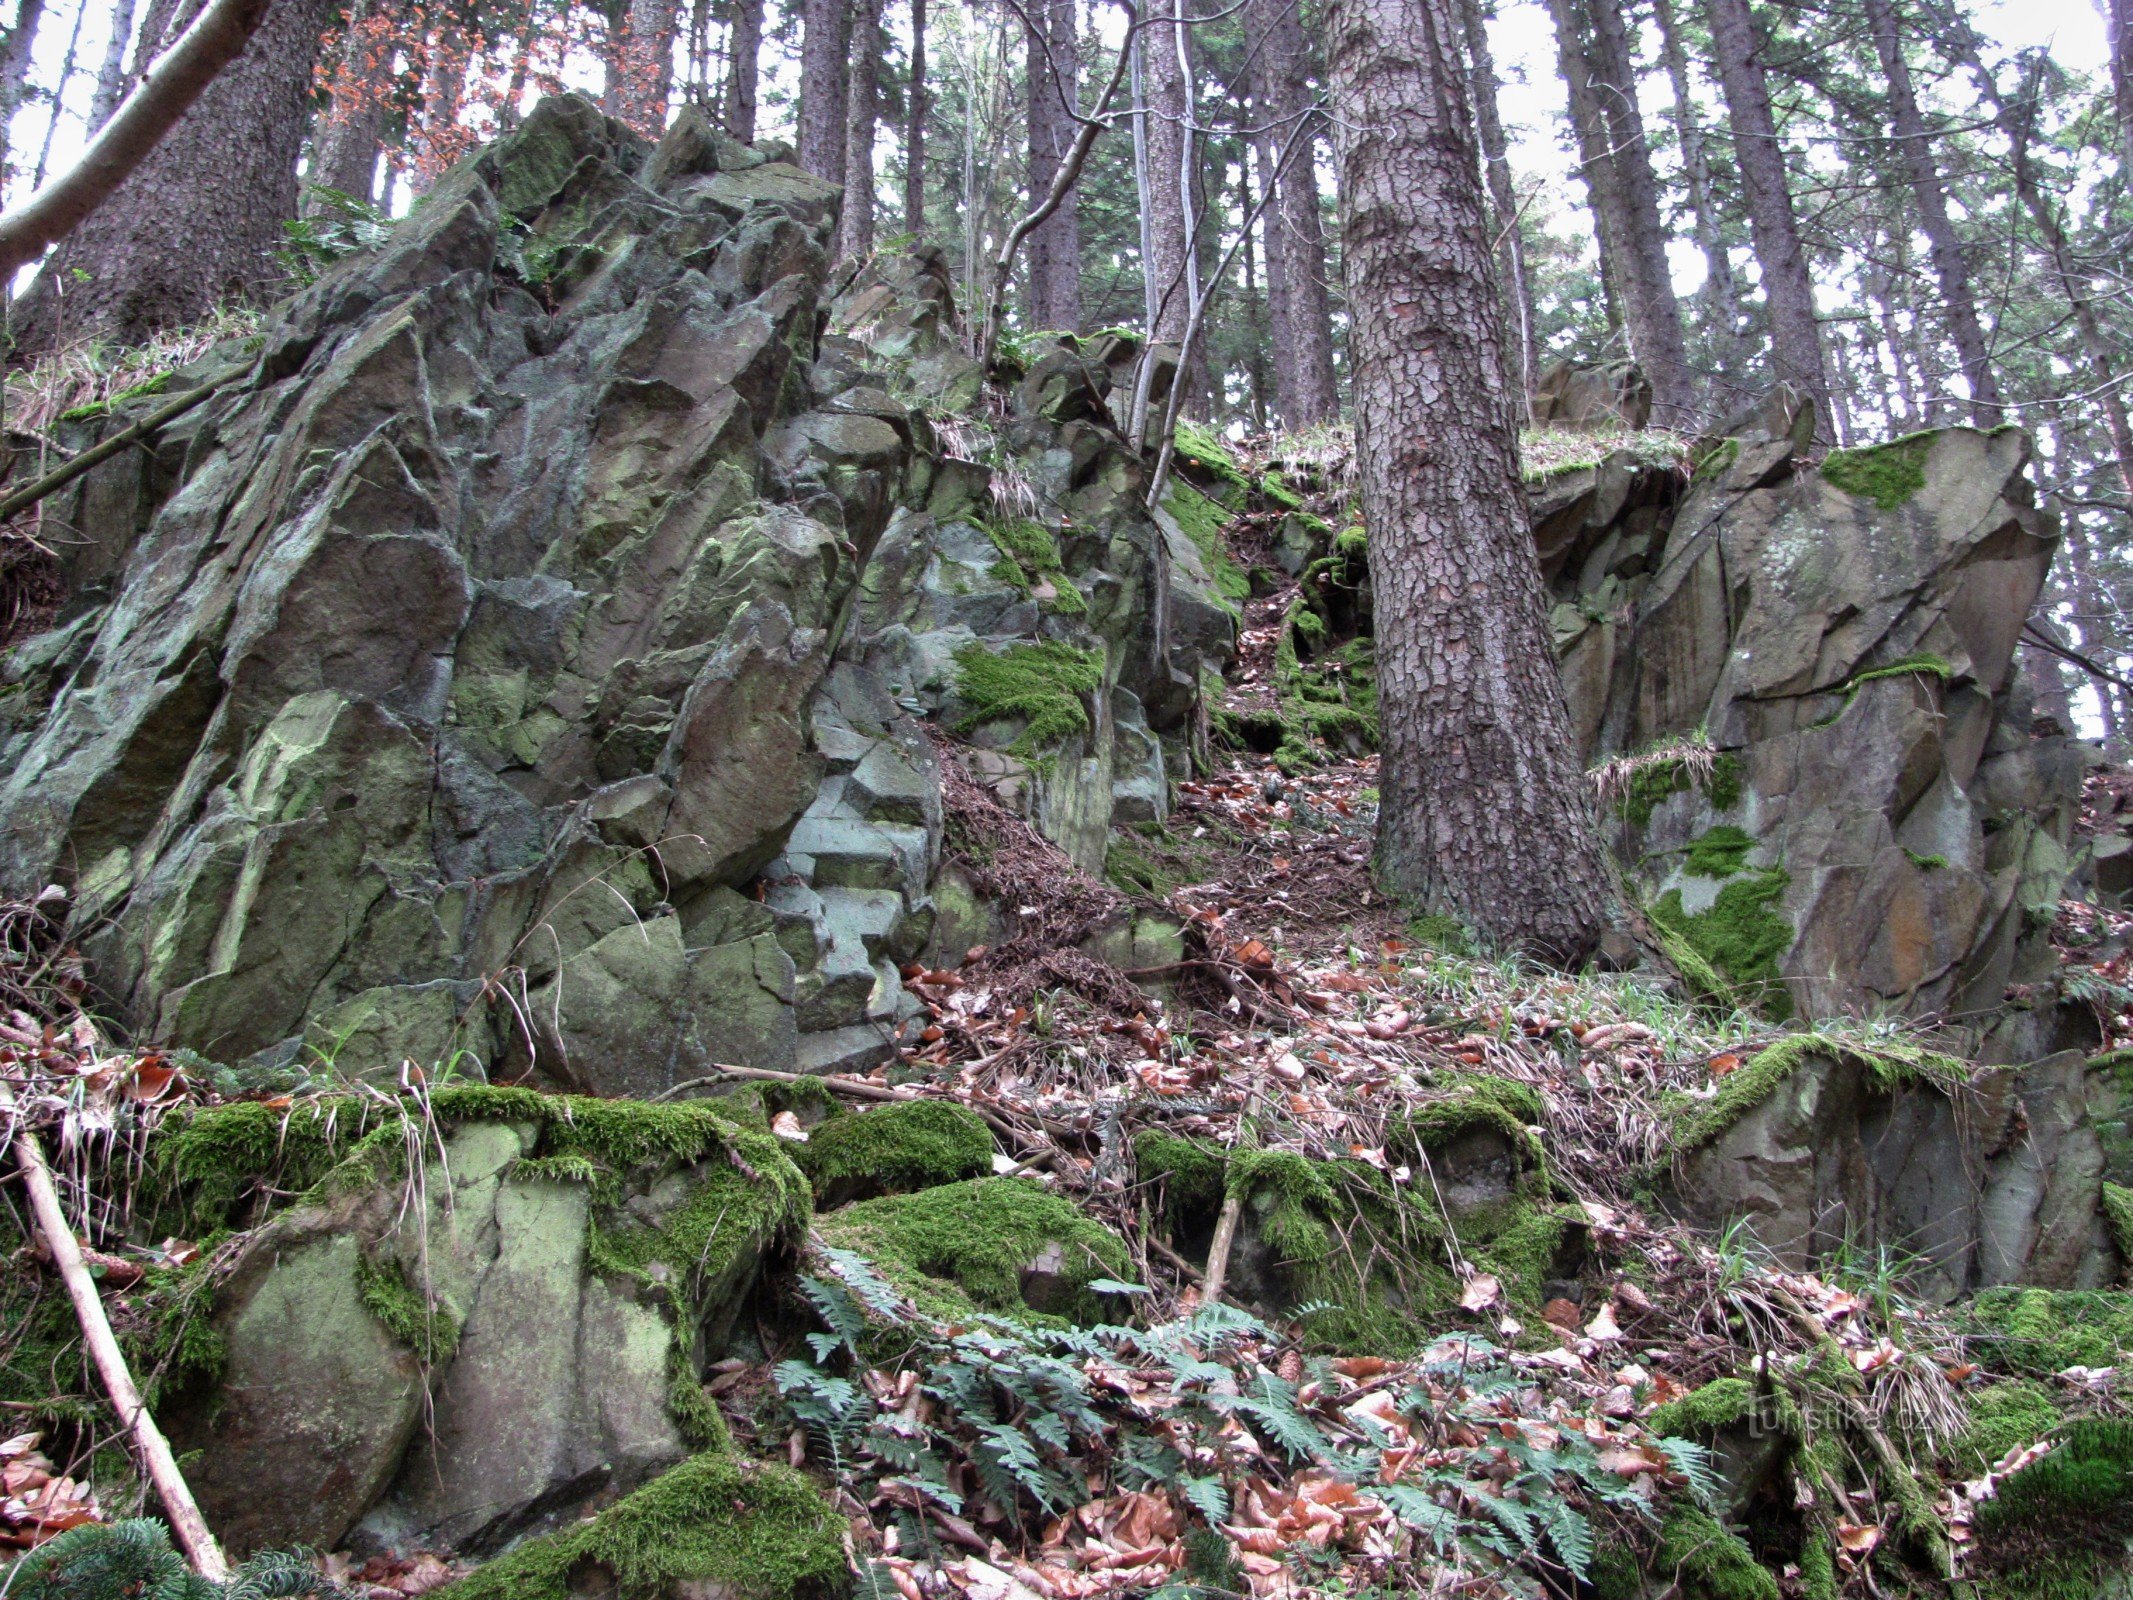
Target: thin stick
149 1444
22 499
1225 1239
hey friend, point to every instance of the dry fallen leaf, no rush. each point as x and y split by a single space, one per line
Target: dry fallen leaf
1482 1291
787 1126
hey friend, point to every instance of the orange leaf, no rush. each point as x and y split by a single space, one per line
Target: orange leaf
1721 1065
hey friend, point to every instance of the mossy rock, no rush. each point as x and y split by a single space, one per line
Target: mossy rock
2004 1417
714 1524
2039 1332
2062 1527
1004 1245
1709 1561
1887 474
894 1149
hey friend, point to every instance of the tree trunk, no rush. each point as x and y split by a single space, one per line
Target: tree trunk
2118 28
111 77
1168 108
1503 198
346 139
1721 291
744 48
643 66
1305 386
1594 169
1654 314
855 227
15 53
1268 151
916 105
1054 87
1485 815
823 60
1788 292
1913 141
201 218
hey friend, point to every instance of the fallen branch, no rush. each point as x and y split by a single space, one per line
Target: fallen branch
104 449
152 1449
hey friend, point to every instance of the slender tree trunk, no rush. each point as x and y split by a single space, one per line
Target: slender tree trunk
1654 312
855 226
1169 105
111 77
2091 627
824 43
2118 28
1307 390
1255 313
1503 199
1268 152
1485 815
916 105
1892 338
1914 143
1054 87
1788 292
1589 127
643 67
59 98
348 135
155 255
1721 291
507 111
744 47
15 52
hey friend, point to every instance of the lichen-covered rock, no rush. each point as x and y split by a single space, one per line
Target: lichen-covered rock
475 1328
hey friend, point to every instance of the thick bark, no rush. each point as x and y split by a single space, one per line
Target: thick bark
1054 76
916 104
1306 389
1788 292
111 77
1503 196
349 133
1914 144
642 65
181 200
1721 290
1485 813
1654 313
824 41
15 52
744 48
1169 105
855 227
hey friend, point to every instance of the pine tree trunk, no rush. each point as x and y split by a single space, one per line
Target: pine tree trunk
1721 290
1914 143
644 66
744 47
1054 246
1503 199
1788 292
916 104
1305 386
349 133
1267 149
1654 314
1485 815
111 77
855 226
15 53
1169 104
823 43
1589 128
201 218
2118 30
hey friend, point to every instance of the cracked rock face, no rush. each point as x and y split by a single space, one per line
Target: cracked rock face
520 659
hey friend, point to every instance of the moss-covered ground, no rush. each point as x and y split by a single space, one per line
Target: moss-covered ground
895 1148
1887 474
1042 686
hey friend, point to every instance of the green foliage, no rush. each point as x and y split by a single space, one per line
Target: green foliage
1922 665
1714 461
963 1245
1039 685
103 408
1703 1412
1709 1561
342 226
756 1531
897 1147
2010 1415
2058 1528
133 1560
1202 520
426 1324
1887 474
1438 931
1028 547
1718 852
1651 782
2117 1203
2038 1332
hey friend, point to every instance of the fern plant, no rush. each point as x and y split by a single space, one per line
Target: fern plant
133 1560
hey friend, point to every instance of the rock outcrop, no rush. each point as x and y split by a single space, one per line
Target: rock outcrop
550 576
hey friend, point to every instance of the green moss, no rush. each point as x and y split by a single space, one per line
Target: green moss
1741 934
749 1189
2058 1529
1719 852
1922 665
1207 455
1708 1561
1887 474
1891 1063
1039 685
2116 1201
1715 461
428 1325
103 408
2003 1417
1703 1413
1932 863
1439 931
896 1148
964 1245
1818 1565
1655 781
762 1532
1202 521
2038 1332
1465 1103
